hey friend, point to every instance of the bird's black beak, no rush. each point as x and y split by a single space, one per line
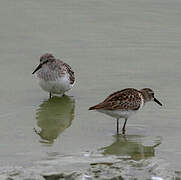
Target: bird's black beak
38 67
158 102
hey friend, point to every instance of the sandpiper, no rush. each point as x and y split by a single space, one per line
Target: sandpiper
55 76
124 103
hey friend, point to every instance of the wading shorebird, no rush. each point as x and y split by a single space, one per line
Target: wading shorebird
55 76
124 103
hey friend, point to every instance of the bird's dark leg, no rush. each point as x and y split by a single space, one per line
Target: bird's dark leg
123 129
50 95
117 125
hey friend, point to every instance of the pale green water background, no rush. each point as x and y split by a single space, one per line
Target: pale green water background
110 45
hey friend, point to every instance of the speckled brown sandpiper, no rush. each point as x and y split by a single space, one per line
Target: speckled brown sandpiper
124 103
55 76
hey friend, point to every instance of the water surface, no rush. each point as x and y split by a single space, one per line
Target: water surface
110 45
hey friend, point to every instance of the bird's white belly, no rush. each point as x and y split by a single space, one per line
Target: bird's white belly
58 86
118 113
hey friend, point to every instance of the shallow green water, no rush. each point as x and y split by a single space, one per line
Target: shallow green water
110 45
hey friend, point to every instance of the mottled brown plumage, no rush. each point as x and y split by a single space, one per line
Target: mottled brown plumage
126 99
70 72
122 104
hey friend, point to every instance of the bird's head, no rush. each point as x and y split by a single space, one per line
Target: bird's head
148 95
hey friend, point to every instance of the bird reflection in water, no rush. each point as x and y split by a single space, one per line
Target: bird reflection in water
53 117
130 147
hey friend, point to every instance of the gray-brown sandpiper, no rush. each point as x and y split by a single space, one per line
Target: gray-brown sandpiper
124 103
55 76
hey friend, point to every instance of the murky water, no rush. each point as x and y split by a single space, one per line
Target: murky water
110 45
